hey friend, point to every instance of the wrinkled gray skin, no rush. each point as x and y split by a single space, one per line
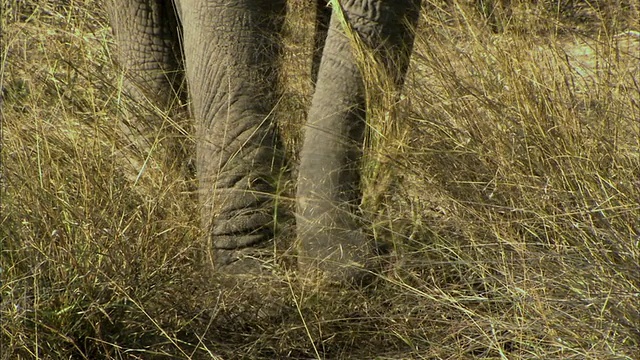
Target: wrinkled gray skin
230 50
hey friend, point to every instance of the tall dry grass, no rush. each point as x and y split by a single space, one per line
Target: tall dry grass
505 175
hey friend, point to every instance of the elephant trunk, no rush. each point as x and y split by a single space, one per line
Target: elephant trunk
328 194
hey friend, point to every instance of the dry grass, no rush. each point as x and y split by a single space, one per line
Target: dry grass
508 185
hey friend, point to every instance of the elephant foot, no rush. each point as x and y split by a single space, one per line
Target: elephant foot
245 261
342 257
261 256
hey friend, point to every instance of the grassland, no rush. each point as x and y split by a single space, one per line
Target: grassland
506 177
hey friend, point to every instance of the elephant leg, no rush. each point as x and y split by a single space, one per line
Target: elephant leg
148 50
328 193
231 49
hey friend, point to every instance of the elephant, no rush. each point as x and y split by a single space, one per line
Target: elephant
227 50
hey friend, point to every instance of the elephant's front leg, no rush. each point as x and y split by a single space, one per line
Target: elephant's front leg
328 185
231 48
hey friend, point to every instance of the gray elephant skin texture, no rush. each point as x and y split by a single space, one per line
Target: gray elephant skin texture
228 51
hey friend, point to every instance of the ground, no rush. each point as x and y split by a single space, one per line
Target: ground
504 177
